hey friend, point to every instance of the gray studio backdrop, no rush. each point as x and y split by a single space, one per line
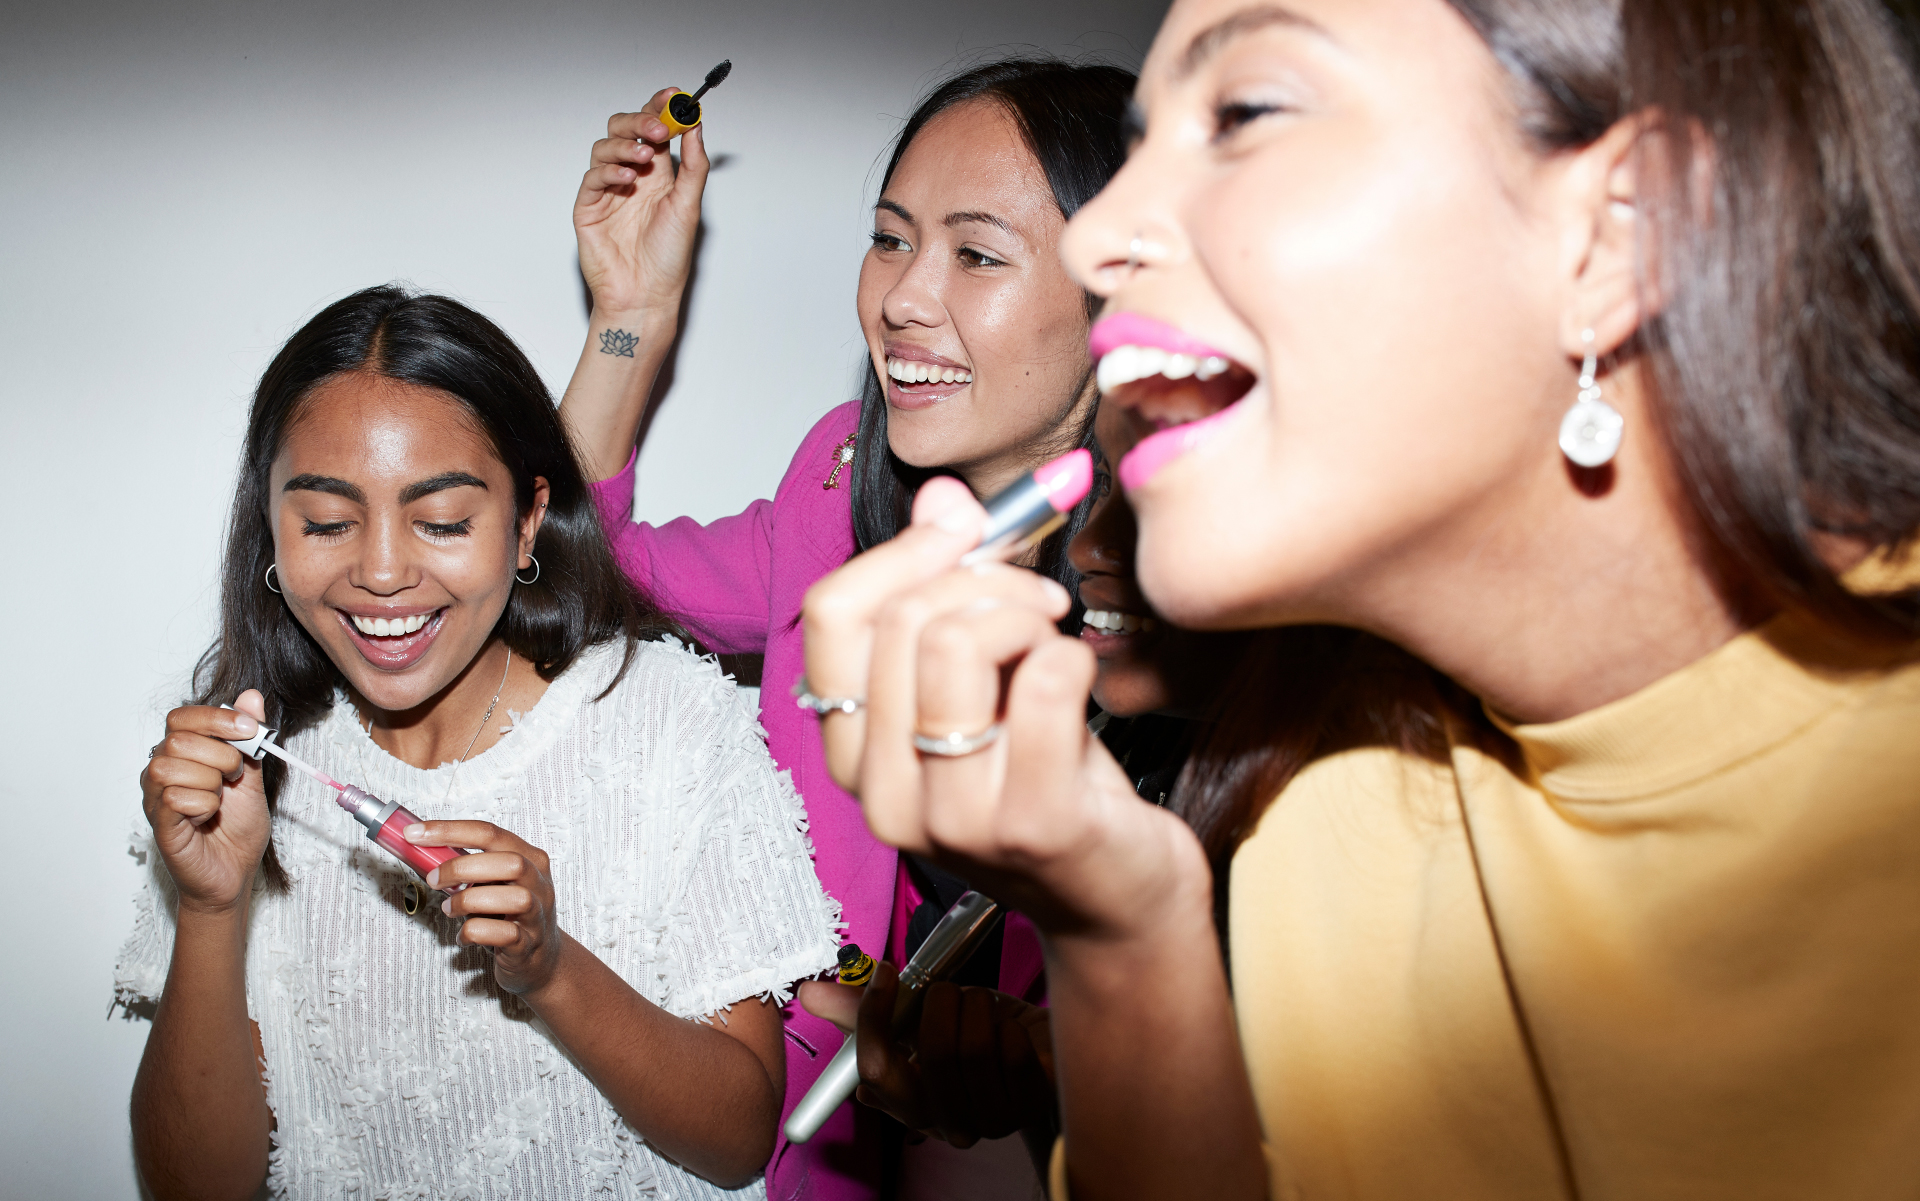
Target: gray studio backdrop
182 185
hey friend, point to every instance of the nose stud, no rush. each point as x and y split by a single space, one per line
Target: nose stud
1133 254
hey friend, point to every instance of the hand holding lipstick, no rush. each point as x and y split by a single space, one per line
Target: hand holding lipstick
207 804
1041 817
508 902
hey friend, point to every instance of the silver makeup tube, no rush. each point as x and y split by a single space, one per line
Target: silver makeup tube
952 943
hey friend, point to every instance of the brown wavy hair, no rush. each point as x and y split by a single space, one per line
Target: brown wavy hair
1784 358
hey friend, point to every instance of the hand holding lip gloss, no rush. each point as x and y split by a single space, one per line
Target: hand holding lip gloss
385 821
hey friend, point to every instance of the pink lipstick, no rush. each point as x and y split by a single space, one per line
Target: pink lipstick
1033 506
385 821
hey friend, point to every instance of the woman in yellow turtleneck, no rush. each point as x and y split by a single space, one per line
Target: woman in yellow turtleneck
1567 355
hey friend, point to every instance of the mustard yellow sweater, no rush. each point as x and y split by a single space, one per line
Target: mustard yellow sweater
1677 957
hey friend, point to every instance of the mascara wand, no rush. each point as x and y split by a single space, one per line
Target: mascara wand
683 111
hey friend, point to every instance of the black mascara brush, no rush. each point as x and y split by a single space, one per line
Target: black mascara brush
683 111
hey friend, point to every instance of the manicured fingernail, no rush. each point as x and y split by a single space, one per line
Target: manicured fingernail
446 906
416 830
433 878
246 723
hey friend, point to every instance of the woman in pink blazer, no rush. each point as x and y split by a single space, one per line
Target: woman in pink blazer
979 369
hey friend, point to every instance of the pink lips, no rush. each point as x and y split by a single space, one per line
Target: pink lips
393 654
1132 329
1156 450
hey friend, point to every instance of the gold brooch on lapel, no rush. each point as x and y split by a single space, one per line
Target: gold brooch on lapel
842 458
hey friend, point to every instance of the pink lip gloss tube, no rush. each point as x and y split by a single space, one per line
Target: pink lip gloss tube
385 821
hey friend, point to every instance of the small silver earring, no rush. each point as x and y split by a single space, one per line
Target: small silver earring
269 579
1590 432
536 571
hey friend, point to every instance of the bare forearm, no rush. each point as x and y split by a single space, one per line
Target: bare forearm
1154 1095
607 396
699 1095
200 1116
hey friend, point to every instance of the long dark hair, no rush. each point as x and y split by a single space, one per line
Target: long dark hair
1072 118
580 597
1785 357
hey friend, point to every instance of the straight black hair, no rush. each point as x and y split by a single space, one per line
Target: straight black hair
580 597
1072 117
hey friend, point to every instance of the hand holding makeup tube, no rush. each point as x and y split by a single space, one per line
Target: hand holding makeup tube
979 1064
635 218
636 214
508 902
207 803
1042 818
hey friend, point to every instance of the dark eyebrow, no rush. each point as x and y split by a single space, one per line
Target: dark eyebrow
440 483
896 208
327 484
1214 38
954 219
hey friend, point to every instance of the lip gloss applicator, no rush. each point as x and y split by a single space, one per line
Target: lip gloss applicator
384 820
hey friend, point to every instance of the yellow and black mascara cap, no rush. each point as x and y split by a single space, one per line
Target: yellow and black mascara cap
683 111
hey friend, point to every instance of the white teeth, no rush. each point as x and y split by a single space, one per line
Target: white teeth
1116 622
909 371
1125 364
382 627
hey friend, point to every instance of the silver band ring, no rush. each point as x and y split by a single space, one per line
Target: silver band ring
820 706
956 744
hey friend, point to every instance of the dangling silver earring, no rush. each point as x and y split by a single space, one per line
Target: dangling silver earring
1590 432
269 579
536 571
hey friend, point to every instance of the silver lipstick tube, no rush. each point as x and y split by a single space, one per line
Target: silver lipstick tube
952 942
1017 517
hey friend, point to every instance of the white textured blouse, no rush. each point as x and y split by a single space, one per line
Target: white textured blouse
396 1068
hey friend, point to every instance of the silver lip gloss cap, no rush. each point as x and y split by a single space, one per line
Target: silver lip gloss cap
367 809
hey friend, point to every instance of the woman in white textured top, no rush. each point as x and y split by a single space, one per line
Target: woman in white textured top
418 586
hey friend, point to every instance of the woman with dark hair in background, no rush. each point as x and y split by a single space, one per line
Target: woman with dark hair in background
418 595
1575 352
979 369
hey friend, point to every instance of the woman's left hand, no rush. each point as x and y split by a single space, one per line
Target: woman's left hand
508 901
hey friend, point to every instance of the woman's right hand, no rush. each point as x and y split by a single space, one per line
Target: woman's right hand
636 216
1042 819
207 803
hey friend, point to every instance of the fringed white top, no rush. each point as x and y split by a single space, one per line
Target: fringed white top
396 1068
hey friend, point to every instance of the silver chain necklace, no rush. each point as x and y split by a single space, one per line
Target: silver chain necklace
458 763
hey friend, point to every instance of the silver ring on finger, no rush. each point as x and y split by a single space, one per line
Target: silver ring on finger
957 744
155 749
820 706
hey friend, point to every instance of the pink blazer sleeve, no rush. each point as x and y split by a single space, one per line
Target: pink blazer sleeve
712 578
718 579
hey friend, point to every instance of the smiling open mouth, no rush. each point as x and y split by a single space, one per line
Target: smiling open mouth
1177 390
1112 621
918 382
395 642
